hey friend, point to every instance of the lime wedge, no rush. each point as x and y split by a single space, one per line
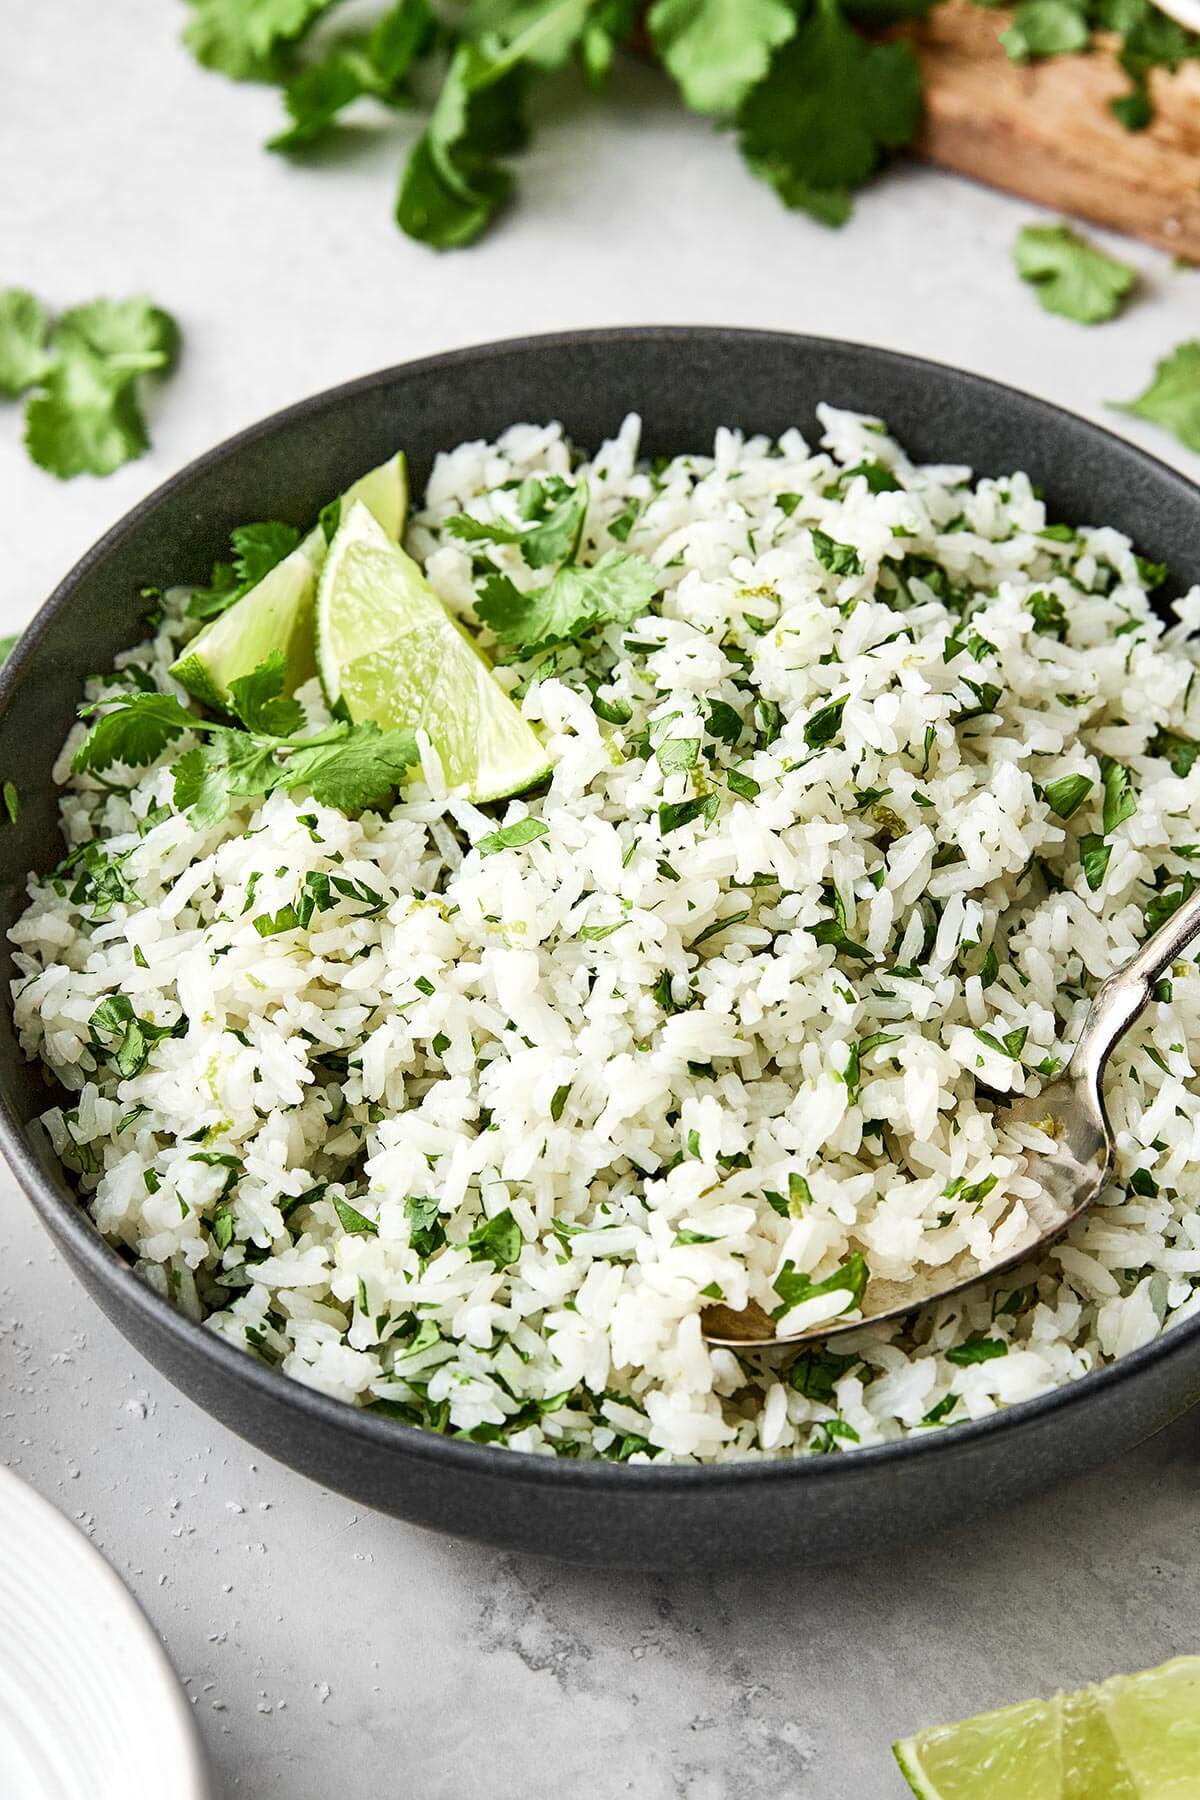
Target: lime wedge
1134 1737
390 652
277 614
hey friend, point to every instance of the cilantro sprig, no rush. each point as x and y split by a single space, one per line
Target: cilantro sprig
579 598
82 374
816 100
350 767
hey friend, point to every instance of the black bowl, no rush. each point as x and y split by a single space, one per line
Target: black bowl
684 382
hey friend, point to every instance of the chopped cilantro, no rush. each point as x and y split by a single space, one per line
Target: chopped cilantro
1179 750
355 1223
824 725
1067 794
1120 802
1094 854
816 1372
794 1286
497 1240
977 1349
839 559
511 837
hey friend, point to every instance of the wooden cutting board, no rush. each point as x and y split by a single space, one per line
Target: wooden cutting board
1044 131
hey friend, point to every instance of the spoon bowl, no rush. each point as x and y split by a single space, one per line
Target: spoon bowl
1066 1141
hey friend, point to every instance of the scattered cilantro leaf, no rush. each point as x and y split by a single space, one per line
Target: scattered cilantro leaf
375 65
359 770
24 331
824 725
1180 750
1070 275
85 417
816 1371
1172 399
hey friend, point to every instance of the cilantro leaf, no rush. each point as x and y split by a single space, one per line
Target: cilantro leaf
86 419
134 732
1173 398
244 38
452 183
360 770
828 108
316 96
612 591
115 1029
717 50
257 549
209 779
1045 28
1070 275
256 699
553 513
376 65
24 329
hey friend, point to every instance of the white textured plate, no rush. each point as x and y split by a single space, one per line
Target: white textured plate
90 1708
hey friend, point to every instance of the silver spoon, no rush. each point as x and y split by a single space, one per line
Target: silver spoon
1070 1110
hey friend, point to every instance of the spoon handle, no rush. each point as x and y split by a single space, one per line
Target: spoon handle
1122 997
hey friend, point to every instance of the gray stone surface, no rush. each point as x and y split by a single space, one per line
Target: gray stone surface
329 1650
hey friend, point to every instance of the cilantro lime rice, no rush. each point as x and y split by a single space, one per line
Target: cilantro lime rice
863 776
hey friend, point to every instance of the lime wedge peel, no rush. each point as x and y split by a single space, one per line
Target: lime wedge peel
277 613
1133 1737
388 651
